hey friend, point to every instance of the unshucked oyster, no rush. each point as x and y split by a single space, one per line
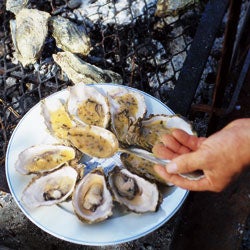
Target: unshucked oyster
29 31
92 200
78 70
134 192
52 188
69 36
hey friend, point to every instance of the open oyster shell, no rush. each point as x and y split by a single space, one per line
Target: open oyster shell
78 70
93 140
92 201
135 193
29 31
88 106
56 118
69 36
52 188
148 131
43 158
126 108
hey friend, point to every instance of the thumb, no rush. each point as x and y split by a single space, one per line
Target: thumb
185 163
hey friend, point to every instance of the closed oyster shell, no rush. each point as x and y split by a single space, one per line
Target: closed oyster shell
52 188
78 70
134 192
43 158
88 106
29 31
69 36
16 5
92 201
172 7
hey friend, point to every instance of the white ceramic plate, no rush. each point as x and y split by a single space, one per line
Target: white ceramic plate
60 221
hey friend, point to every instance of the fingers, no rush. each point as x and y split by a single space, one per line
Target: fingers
162 152
190 141
193 185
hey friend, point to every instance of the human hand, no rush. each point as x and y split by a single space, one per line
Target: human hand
222 156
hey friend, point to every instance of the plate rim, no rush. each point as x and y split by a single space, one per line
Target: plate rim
67 238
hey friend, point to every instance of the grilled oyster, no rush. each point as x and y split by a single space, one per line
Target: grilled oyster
88 106
147 132
93 140
69 36
172 7
91 199
134 192
43 158
142 167
29 31
126 108
52 188
79 71
56 118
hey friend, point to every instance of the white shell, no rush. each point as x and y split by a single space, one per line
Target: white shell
147 195
94 106
89 204
94 141
59 184
43 158
126 107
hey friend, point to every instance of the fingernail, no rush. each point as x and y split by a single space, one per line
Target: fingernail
172 168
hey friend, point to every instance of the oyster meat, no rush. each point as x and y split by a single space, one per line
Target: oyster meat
69 36
56 118
92 200
52 188
126 108
134 192
43 158
88 106
29 31
93 140
78 70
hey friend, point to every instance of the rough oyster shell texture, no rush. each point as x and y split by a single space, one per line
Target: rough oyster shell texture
51 188
29 31
69 36
78 70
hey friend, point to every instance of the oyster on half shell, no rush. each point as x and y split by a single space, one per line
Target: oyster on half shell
56 118
148 131
51 188
69 36
93 141
88 106
29 31
92 200
134 192
126 108
43 158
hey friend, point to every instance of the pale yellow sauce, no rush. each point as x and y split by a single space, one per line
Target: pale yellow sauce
49 160
91 113
61 123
